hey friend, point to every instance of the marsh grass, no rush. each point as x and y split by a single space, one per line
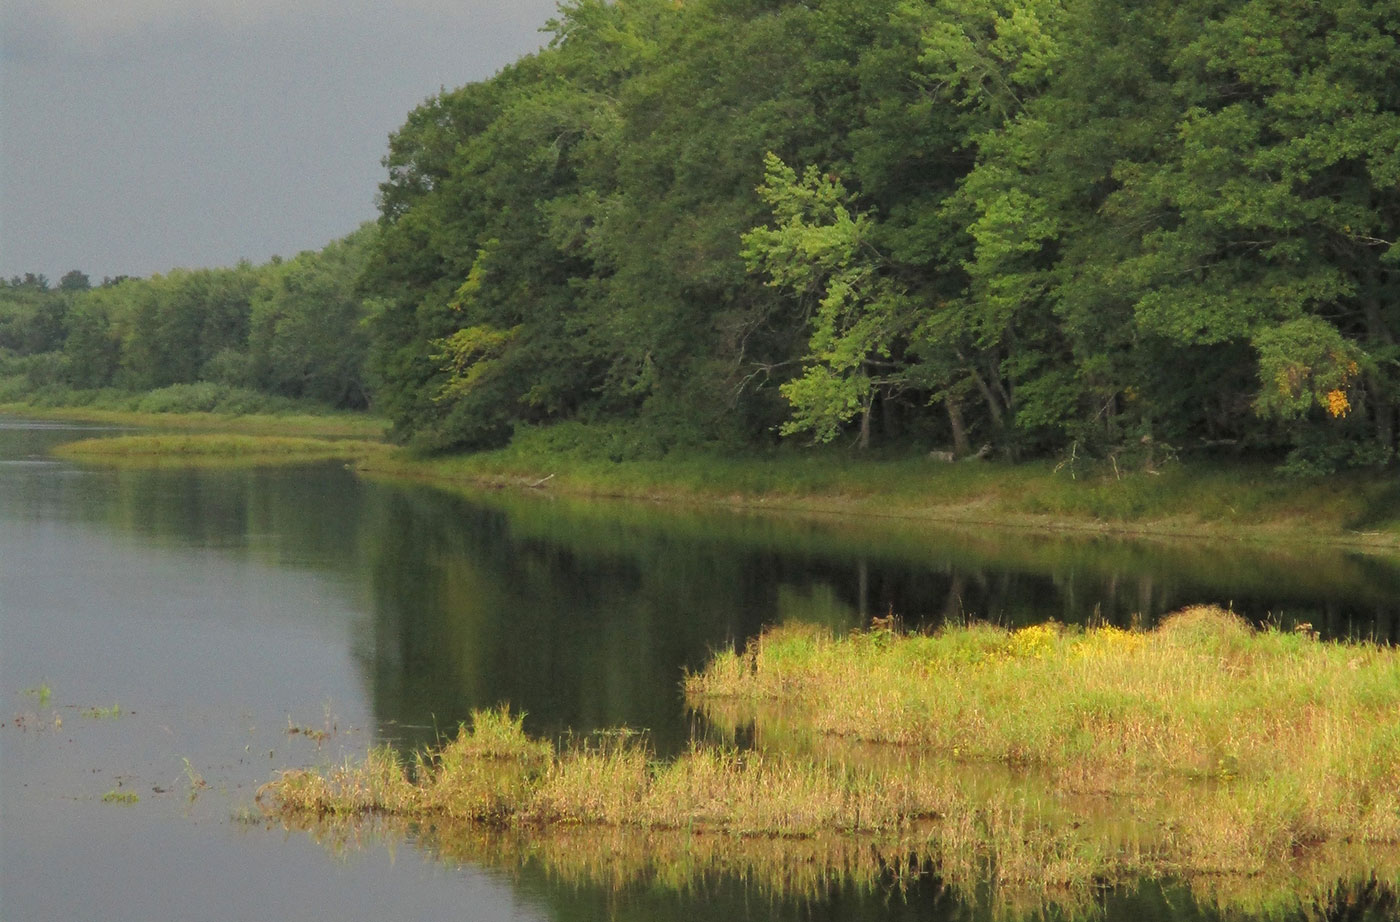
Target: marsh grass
228 449
1198 499
492 774
1241 747
1048 762
1203 695
292 422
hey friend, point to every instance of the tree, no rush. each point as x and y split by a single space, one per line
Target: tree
821 251
74 281
1193 194
306 335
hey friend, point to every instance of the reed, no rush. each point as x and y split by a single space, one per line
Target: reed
231 449
1049 762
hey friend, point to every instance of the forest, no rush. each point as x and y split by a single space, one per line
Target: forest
1020 227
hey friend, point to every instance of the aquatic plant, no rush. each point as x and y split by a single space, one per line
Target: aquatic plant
194 779
40 693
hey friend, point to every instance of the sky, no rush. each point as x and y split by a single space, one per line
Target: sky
137 136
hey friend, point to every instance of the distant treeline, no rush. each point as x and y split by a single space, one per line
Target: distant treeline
1042 225
290 328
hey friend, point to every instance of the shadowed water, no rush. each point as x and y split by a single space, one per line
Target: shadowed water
221 609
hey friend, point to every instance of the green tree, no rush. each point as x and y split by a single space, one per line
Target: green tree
306 334
820 249
1199 194
74 281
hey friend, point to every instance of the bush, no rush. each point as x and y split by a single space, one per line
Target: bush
208 397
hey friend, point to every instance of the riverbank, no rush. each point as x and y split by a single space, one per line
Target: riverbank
1249 502
216 449
1242 502
329 425
1049 761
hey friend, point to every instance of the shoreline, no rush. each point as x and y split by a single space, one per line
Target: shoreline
488 472
1246 504
331 425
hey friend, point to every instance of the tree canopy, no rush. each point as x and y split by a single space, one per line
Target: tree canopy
1038 225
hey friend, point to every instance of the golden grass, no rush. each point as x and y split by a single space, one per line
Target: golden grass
226 449
328 425
511 781
1238 502
1262 767
1202 695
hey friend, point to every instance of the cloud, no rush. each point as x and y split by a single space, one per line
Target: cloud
98 26
94 23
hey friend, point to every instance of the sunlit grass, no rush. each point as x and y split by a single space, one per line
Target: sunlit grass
1261 766
215 449
1244 501
1248 744
1202 695
318 425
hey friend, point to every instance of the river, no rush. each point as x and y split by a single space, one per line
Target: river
171 638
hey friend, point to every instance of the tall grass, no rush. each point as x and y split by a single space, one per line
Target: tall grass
197 406
215 448
1203 694
1047 761
1289 741
1235 501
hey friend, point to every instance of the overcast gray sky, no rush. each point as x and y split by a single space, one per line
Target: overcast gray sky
141 135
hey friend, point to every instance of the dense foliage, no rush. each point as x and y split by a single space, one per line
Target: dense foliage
1039 225
290 329
1031 223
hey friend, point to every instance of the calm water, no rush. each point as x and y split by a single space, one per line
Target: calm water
219 609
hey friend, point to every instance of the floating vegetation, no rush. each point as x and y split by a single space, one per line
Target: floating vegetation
195 780
116 796
41 693
311 733
101 713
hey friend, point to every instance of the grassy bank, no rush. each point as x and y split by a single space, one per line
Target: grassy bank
1047 761
214 449
331 425
1241 501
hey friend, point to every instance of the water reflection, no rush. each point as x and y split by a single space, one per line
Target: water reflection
586 614
583 614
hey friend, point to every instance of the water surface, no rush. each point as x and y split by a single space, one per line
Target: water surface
219 609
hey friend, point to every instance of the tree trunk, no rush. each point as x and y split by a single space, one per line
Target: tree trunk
961 448
994 407
865 421
1384 406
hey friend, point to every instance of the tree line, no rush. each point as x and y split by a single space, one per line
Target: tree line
290 328
1039 225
